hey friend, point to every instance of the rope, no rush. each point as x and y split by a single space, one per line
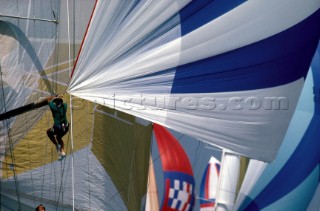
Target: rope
53 77
55 68
10 145
88 158
53 172
63 164
71 117
56 59
45 161
26 123
196 156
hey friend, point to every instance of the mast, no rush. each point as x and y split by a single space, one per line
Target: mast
152 202
228 180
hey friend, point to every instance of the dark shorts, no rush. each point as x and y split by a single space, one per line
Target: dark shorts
60 130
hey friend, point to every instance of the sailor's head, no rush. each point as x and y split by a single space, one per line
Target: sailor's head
58 101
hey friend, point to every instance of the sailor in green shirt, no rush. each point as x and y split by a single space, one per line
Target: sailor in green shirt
61 126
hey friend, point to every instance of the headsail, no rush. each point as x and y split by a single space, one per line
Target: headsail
228 73
209 185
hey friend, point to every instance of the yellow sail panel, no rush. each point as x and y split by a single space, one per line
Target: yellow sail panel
244 162
122 146
35 149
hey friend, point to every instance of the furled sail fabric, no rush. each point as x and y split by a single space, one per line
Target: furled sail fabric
226 72
292 180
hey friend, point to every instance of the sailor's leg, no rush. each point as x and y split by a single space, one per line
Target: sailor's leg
60 142
50 134
60 134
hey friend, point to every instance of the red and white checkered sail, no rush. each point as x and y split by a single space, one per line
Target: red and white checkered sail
178 174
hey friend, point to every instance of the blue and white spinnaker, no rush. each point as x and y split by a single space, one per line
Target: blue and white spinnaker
226 72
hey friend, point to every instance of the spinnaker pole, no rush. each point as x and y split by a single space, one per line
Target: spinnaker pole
23 109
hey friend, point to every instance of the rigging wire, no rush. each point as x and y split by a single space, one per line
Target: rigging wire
70 74
62 167
11 145
71 113
48 115
26 119
16 182
45 161
54 81
63 164
10 141
89 148
55 66
54 85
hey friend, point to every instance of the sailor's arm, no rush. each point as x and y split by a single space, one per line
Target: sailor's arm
50 98
53 97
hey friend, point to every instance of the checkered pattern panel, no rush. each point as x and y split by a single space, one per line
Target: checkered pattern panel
180 194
